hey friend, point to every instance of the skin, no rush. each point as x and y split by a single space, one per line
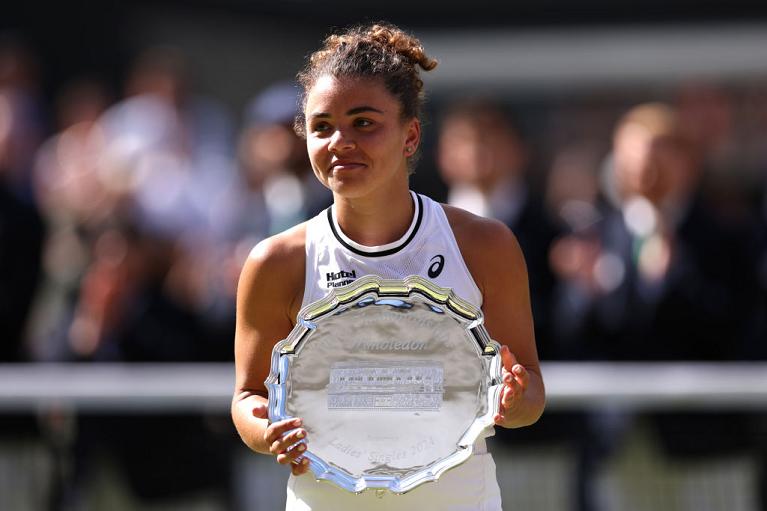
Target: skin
359 144
479 150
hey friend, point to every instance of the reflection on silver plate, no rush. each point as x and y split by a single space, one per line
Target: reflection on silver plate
394 380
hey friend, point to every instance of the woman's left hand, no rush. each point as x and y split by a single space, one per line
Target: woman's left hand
515 382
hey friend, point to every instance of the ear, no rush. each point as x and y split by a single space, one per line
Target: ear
413 137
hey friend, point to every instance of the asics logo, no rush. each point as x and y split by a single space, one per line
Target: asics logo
437 263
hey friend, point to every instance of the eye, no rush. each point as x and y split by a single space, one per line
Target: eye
363 123
320 127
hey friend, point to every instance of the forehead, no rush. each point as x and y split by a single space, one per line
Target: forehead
633 136
330 94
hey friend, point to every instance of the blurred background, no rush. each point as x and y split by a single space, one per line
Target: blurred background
145 147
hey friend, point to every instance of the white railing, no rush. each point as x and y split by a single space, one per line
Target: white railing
151 388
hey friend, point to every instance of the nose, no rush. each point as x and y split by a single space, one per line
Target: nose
340 141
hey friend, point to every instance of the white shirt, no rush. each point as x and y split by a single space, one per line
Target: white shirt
429 249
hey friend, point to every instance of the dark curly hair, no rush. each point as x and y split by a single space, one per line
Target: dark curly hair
373 51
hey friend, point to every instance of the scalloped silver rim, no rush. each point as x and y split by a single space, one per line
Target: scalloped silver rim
460 309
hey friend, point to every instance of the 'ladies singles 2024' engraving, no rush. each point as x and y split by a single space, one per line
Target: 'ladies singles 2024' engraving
387 385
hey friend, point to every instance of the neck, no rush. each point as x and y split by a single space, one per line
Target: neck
375 222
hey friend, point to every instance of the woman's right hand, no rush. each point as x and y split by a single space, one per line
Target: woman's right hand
286 440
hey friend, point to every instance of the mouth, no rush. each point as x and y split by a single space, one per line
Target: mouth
345 165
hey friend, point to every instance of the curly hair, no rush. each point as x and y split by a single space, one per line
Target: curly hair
378 51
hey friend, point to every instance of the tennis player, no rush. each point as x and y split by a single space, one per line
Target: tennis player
360 116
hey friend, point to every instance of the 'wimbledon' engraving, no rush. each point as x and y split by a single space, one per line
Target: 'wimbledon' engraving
389 346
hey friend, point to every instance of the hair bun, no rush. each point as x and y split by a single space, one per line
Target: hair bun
401 43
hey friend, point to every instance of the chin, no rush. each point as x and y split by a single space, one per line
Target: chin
349 188
345 192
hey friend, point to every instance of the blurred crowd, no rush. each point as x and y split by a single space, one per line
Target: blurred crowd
125 218
124 222
648 245
643 250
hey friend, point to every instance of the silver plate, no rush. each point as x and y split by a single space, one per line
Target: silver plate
394 380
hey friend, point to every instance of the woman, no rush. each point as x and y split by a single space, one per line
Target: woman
360 117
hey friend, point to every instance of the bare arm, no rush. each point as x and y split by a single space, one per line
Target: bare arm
496 262
268 296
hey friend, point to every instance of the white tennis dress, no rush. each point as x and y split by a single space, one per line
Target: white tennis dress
428 249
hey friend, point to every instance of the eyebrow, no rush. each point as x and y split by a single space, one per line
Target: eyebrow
353 111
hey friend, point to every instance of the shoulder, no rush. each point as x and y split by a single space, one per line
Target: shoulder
477 233
275 270
281 250
489 248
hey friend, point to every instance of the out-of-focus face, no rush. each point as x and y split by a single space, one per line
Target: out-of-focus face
461 152
478 151
650 166
357 141
270 150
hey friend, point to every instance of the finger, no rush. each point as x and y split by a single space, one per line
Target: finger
508 397
508 358
513 380
291 455
277 429
287 440
301 467
521 376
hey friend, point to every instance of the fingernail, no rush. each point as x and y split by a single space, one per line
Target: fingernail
300 434
302 447
297 422
305 461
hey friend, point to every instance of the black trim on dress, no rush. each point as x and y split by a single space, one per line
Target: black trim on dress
382 253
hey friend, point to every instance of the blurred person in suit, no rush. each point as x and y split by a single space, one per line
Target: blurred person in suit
485 162
274 159
661 279
574 202
686 279
483 159
695 289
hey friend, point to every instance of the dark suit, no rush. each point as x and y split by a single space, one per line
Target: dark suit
698 311
535 232
21 243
